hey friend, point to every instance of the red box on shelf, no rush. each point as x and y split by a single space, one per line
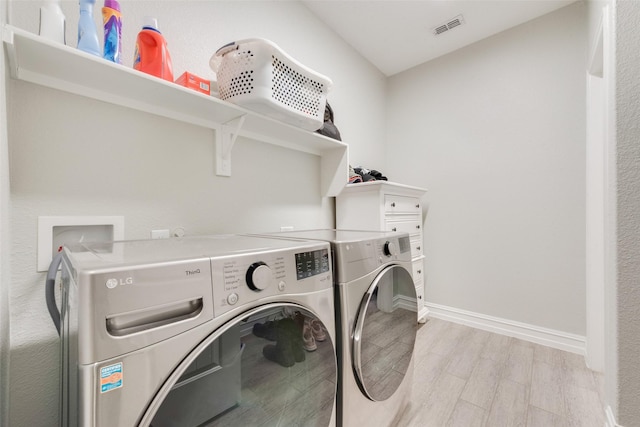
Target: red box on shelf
194 82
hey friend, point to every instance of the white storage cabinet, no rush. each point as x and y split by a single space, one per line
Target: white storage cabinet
383 205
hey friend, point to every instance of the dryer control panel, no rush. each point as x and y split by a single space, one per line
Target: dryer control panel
246 278
358 258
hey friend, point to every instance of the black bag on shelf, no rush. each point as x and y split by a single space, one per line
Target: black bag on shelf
328 128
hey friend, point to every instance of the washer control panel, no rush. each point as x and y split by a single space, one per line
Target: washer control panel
246 278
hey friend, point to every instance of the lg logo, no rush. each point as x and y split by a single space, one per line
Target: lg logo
112 283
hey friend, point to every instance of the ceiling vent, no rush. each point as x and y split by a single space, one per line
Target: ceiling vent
453 23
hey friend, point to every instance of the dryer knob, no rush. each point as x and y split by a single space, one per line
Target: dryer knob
389 249
259 276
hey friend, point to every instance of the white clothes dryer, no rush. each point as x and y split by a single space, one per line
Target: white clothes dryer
375 322
198 331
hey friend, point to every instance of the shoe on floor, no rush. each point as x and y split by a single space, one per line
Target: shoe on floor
288 347
308 341
267 330
279 354
318 331
290 332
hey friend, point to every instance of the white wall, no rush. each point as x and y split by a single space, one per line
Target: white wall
594 15
597 191
622 184
74 156
497 135
601 274
5 264
595 224
627 135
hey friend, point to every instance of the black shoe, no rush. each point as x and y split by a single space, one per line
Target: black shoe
279 354
378 175
267 330
288 348
298 353
291 331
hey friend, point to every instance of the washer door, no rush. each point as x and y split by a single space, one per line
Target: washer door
253 371
384 333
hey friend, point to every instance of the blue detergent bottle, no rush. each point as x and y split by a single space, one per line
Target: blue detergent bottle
87 32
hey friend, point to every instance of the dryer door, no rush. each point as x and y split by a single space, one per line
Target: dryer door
384 333
256 370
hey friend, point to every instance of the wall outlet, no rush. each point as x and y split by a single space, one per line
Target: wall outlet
159 234
55 231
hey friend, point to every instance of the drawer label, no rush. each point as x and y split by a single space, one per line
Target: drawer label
111 377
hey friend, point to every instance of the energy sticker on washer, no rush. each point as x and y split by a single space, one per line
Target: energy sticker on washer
110 377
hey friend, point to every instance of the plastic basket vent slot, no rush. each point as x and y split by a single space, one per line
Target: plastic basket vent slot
296 90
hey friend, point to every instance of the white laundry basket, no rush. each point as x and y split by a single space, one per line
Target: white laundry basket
258 75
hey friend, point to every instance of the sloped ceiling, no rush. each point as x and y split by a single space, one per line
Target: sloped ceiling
396 35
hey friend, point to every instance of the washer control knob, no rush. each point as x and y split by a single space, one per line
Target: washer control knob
258 276
232 299
281 286
390 248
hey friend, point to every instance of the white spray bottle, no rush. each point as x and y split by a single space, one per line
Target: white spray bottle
52 21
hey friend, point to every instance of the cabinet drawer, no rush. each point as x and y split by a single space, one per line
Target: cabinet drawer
418 271
416 247
420 296
411 226
401 204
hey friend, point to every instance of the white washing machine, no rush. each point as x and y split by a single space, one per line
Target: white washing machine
375 322
200 331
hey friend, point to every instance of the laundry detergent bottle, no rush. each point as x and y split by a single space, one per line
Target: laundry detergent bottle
112 20
87 33
151 54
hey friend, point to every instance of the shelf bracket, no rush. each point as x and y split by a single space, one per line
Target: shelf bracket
7 38
226 136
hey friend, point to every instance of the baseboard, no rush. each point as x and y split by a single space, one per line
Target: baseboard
610 420
405 302
548 337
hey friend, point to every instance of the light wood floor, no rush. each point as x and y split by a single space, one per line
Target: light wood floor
466 377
